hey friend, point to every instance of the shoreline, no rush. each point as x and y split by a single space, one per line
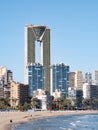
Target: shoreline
22 117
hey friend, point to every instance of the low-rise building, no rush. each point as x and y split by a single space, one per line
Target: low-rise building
72 93
57 94
40 94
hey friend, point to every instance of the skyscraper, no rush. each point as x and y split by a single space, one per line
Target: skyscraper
36 77
79 79
72 79
6 76
88 78
96 77
60 77
34 35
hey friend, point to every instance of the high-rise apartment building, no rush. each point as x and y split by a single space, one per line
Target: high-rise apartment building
7 86
5 77
86 90
37 35
3 80
90 91
88 78
79 79
96 77
3 74
36 77
19 94
72 79
59 77
79 98
94 92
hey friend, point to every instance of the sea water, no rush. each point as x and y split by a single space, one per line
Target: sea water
71 122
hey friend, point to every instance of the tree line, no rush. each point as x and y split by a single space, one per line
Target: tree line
62 103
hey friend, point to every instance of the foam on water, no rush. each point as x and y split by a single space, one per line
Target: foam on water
78 121
72 122
62 128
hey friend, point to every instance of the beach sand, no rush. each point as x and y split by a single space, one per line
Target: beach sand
9 118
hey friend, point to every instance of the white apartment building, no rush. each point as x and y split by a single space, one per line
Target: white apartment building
86 90
40 94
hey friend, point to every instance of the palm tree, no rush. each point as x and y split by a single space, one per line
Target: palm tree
4 103
35 103
95 104
67 104
86 103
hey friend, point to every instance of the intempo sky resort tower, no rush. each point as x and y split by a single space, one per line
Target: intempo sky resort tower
37 74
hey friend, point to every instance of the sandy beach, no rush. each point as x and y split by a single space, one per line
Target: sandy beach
19 117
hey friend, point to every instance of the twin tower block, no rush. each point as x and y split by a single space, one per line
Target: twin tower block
40 34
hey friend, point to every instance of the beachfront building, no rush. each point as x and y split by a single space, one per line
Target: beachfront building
86 91
36 77
45 100
59 78
18 94
42 97
57 94
79 98
90 91
79 80
93 91
6 76
37 35
71 93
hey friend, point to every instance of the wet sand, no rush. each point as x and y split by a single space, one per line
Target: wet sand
9 118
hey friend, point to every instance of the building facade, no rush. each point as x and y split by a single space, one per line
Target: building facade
18 94
72 79
72 93
41 35
6 76
36 77
59 78
96 77
90 91
86 91
41 95
57 94
93 91
79 98
88 78
79 79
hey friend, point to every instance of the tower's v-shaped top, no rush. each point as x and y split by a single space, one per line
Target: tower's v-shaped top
39 30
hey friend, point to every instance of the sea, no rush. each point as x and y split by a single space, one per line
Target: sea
66 122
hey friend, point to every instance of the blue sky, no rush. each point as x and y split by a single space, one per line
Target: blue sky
74 32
